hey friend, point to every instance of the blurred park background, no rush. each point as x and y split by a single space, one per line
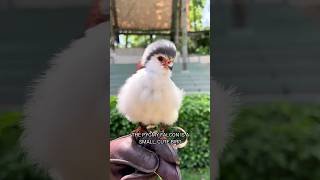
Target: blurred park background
34 30
269 51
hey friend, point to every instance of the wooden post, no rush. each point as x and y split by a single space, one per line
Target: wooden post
174 34
177 25
150 38
127 36
112 38
184 42
114 17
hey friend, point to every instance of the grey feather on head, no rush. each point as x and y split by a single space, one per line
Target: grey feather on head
162 46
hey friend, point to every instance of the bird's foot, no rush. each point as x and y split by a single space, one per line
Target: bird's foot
140 130
163 127
137 133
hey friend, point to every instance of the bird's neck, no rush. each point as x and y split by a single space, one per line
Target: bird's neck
159 74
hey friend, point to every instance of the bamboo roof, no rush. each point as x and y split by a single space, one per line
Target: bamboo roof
142 14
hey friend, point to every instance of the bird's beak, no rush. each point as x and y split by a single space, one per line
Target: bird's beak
167 63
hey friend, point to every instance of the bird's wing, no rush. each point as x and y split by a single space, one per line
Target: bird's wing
224 108
65 125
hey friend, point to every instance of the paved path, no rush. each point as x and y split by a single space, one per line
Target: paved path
196 79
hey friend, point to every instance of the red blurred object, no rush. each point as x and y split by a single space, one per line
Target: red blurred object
139 66
96 16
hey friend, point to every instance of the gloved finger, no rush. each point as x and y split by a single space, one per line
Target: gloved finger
140 176
126 151
168 171
166 152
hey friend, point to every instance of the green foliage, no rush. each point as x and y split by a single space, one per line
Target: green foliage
119 126
276 141
273 141
13 165
199 44
195 14
140 41
194 118
9 130
196 174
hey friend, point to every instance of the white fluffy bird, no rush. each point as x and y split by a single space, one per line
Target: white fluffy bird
150 97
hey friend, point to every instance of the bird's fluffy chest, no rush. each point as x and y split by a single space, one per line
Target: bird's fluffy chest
150 98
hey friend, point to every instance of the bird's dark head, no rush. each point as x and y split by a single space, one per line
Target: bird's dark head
159 56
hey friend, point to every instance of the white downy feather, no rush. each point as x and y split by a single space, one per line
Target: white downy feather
150 96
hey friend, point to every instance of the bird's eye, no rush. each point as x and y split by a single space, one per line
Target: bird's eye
160 58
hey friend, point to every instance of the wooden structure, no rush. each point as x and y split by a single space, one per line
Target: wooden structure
152 17
143 17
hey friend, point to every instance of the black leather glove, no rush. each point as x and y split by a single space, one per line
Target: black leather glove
131 161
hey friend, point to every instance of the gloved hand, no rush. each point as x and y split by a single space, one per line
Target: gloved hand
130 160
